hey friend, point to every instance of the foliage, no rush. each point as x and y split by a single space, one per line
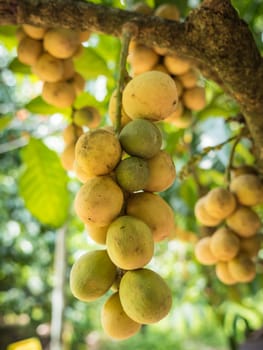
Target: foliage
36 196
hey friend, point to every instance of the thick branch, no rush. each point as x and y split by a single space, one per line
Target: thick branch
213 35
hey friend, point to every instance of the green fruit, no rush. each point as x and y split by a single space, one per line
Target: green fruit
92 275
129 242
141 138
132 174
145 296
114 320
87 116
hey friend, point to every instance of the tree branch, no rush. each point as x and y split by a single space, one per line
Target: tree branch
213 34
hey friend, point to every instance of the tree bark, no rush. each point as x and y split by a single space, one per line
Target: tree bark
213 35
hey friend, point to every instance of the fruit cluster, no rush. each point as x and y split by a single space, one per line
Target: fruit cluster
186 76
233 246
50 52
118 205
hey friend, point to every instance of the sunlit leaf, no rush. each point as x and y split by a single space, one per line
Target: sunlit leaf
91 64
18 67
7 36
4 121
39 106
43 184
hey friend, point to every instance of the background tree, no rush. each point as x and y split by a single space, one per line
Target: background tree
228 53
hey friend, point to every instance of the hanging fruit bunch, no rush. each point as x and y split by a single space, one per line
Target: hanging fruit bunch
235 242
121 173
50 52
186 76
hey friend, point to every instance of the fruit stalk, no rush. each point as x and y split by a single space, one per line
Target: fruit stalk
126 37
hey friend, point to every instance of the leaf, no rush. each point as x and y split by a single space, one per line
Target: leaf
8 37
4 121
43 184
91 64
39 106
18 67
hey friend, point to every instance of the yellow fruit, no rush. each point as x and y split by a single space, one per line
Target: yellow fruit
141 7
168 11
92 275
141 138
84 35
98 152
61 42
173 118
113 111
145 296
67 157
224 244
20 34
99 201
78 83
151 95
244 221
242 268
60 94
29 50
203 216
179 86
176 65
248 189
162 51
154 211
80 174
71 133
129 243
162 172
132 174
220 203
79 52
203 252
97 233
114 320
194 98
68 69
223 273
251 245
142 59
161 68
87 116
33 31
49 68
189 79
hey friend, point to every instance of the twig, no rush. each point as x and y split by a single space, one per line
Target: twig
126 37
195 158
231 157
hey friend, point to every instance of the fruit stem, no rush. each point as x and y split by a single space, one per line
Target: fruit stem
126 37
231 158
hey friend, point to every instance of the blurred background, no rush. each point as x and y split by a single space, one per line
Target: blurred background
41 236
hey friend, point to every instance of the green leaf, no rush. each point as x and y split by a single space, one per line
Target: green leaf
39 106
18 67
86 99
8 36
43 184
91 64
4 121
